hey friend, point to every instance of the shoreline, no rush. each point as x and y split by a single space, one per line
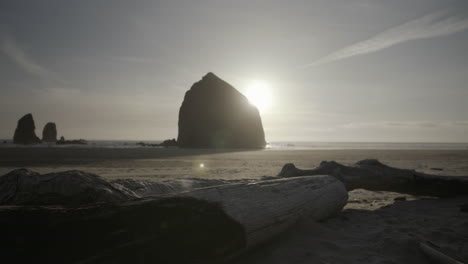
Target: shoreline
162 163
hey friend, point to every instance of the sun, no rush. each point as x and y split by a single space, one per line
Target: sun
259 95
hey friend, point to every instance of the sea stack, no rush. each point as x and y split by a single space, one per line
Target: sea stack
49 134
215 115
25 131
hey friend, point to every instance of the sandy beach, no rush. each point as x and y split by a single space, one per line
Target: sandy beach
373 227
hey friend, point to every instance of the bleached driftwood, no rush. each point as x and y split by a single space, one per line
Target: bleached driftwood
267 208
372 175
202 226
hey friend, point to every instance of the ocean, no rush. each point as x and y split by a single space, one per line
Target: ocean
281 145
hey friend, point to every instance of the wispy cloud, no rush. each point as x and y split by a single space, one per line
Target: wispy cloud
133 59
11 49
432 25
406 124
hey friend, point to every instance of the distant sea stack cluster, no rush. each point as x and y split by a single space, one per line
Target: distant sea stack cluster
25 133
215 115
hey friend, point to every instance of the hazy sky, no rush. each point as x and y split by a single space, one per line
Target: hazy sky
338 70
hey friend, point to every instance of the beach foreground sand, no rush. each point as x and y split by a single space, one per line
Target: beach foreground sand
388 234
373 228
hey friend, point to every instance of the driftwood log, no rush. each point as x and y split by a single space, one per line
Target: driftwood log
267 208
435 255
201 226
372 175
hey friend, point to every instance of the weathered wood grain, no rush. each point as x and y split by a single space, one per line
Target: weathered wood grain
267 208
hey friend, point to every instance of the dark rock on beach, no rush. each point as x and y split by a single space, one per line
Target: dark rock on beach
143 144
25 187
166 143
49 134
62 141
215 115
25 131
169 143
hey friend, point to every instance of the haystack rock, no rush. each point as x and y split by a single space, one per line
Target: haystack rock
25 131
49 134
215 115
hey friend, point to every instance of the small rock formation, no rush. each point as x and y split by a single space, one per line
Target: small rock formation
144 144
215 115
62 141
25 131
166 143
25 187
169 143
49 134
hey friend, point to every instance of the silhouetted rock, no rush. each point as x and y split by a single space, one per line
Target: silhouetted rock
215 115
144 144
166 143
62 141
25 131
49 134
169 143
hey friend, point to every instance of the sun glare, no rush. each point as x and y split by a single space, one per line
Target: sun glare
259 94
